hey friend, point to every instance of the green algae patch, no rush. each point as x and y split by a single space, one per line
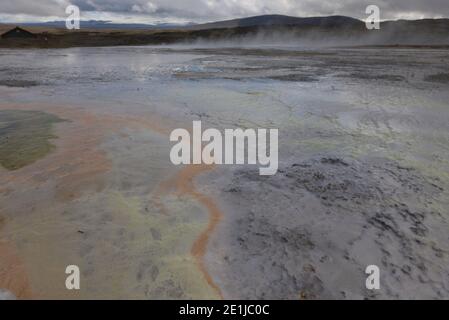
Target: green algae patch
25 137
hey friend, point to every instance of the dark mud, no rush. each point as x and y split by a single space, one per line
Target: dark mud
399 67
310 231
18 83
381 77
439 77
295 78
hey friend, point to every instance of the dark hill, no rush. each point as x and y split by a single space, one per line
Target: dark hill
280 20
268 29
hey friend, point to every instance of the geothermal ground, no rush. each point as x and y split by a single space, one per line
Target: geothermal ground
86 177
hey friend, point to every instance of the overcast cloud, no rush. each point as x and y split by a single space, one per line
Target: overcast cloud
212 10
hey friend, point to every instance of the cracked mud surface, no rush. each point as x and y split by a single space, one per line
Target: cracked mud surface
363 175
310 231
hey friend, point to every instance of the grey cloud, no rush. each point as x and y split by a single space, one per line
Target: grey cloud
30 7
207 10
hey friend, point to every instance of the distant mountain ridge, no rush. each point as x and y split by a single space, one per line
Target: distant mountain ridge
280 20
262 21
256 21
102 24
266 29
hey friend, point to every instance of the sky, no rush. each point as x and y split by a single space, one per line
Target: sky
182 11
